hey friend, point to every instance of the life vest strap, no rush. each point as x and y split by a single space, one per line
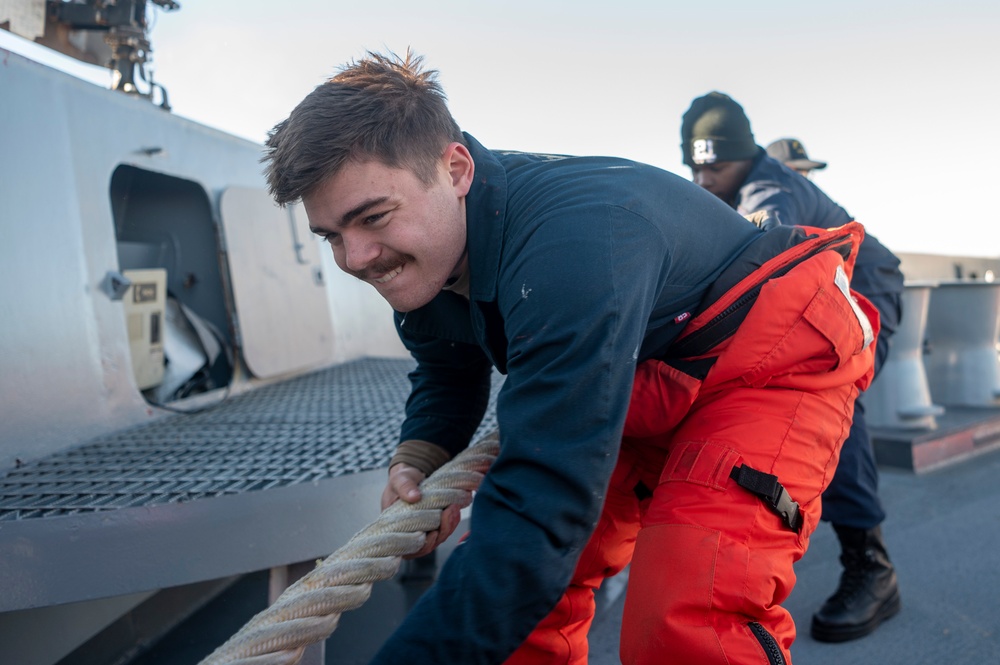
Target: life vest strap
767 487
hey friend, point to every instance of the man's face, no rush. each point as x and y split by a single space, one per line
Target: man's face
723 179
388 228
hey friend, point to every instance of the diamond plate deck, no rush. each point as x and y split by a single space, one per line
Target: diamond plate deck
282 473
334 422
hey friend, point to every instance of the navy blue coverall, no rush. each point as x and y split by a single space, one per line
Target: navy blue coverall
580 269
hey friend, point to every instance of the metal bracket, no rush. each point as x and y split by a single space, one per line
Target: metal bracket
115 285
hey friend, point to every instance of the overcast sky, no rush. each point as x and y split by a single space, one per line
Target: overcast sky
901 98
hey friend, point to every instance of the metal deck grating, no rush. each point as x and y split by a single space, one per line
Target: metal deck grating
334 422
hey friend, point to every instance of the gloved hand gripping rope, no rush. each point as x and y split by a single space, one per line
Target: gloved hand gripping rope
308 611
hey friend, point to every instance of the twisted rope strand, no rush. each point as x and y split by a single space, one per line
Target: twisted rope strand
308 611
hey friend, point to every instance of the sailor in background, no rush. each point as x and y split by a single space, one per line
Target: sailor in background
724 158
792 154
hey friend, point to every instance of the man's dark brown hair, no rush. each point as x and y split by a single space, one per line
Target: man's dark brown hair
382 107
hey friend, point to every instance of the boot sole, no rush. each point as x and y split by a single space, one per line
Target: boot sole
822 632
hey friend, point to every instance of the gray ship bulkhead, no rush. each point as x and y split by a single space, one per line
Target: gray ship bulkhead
104 497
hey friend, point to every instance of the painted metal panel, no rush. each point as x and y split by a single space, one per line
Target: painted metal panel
282 311
963 328
66 376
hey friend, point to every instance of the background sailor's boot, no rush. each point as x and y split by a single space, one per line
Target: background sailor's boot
868 593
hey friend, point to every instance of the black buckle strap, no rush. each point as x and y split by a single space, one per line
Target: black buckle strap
767 487
695 368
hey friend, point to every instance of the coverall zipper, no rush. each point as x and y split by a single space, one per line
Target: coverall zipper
767 641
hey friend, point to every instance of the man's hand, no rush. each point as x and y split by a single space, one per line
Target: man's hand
404 483
761 219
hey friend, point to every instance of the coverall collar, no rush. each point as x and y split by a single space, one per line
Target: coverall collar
485 212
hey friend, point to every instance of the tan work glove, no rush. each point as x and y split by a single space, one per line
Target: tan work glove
412 462
758 218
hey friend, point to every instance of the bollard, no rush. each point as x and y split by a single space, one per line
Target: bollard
900 397
963 329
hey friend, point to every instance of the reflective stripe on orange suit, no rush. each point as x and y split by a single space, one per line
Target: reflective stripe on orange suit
710 558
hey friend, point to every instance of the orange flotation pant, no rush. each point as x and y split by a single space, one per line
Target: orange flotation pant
729 442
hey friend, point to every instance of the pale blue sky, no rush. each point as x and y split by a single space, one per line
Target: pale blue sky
901 98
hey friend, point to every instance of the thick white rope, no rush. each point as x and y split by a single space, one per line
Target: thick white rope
309 610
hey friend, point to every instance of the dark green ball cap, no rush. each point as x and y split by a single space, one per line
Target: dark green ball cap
715 129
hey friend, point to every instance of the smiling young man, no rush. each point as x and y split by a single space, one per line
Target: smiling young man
658 350
410 260
719 147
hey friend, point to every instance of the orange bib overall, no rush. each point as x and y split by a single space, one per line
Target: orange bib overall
728 445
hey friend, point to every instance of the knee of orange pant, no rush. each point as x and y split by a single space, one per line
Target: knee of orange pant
692 593
609 549
670 592
561 637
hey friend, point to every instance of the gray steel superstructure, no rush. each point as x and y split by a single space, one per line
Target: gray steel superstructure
107 498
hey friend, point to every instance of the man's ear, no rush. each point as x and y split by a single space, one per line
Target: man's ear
458 161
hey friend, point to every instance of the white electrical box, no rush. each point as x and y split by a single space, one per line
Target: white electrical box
145 314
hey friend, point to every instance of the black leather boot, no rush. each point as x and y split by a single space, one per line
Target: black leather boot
868 593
